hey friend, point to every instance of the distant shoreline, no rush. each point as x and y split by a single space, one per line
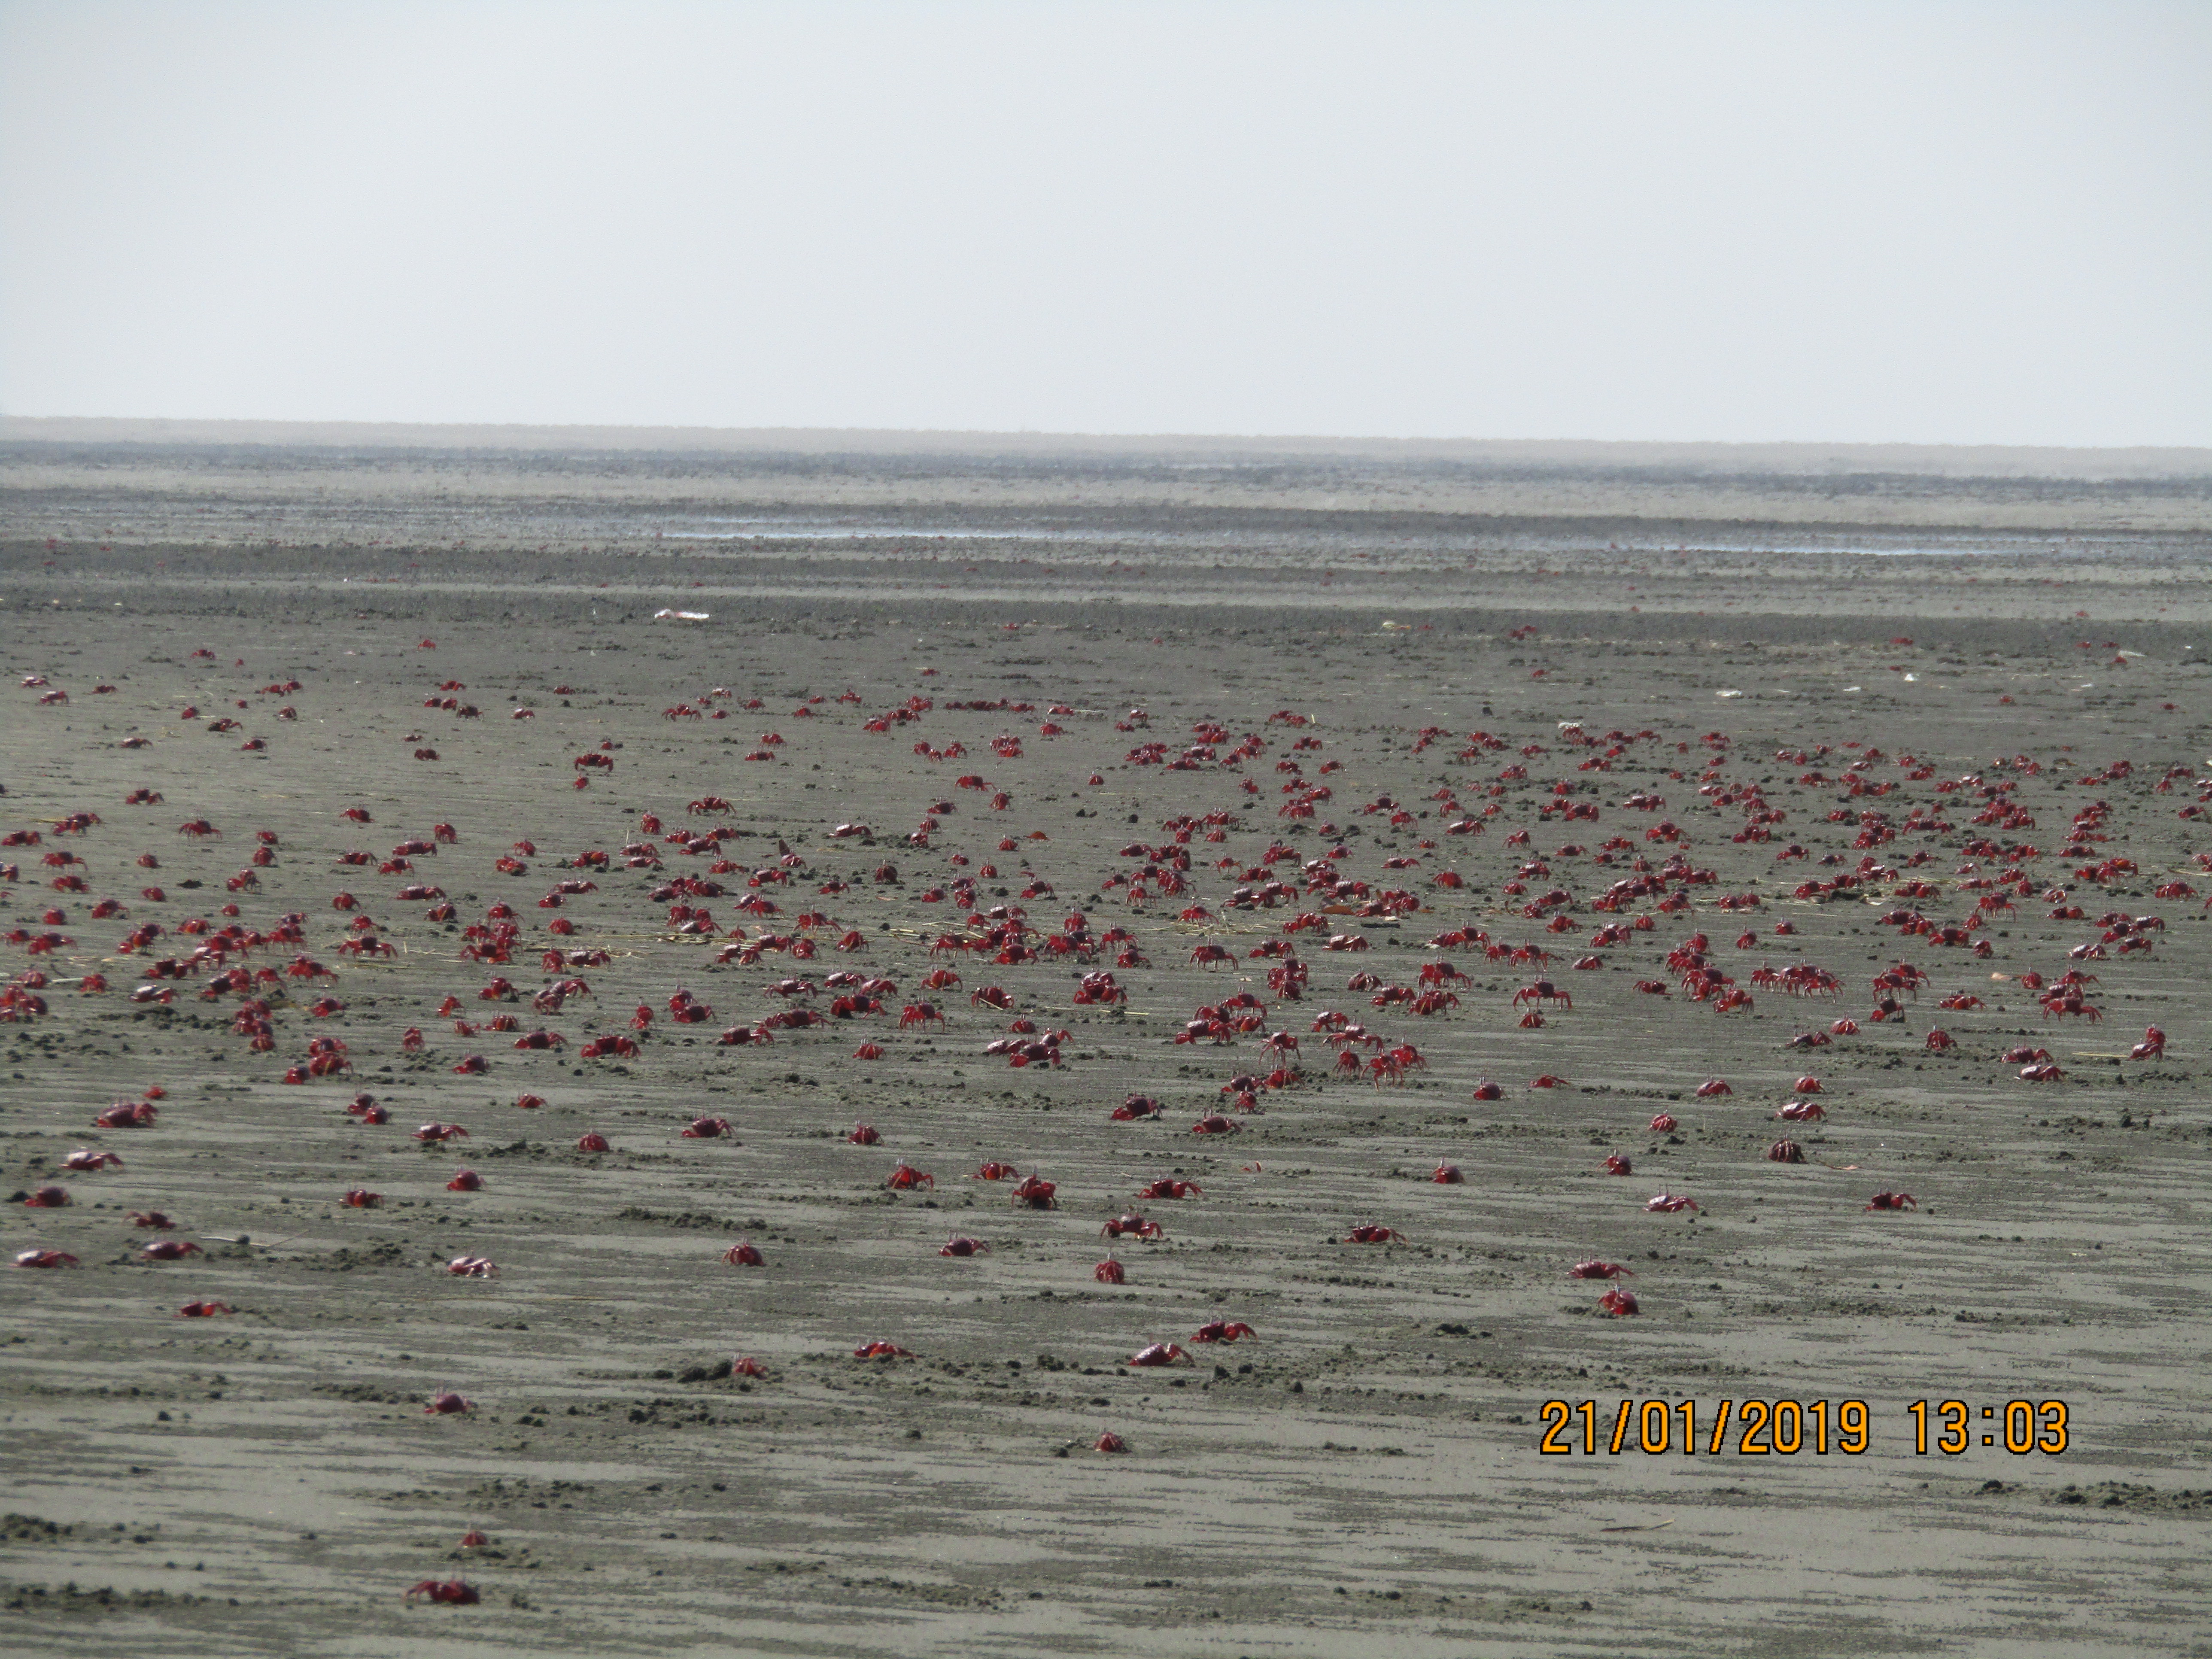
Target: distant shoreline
1782 460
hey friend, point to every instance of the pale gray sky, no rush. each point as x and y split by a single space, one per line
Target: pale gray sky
1928 222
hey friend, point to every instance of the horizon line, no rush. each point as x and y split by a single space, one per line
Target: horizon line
1758 455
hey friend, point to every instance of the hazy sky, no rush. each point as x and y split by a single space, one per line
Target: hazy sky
1933 223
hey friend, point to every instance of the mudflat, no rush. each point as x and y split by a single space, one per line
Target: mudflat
1337 769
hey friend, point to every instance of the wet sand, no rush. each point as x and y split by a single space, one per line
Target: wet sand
1367 1467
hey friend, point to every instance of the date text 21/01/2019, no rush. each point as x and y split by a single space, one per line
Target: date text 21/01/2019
1769 1428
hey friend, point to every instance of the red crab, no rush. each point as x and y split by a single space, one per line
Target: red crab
863 1134
447 1403
745 1365
1617 1163
1109 1442
961 1244
1668 1204
1892 1201
473 1267
2152 1047
593 1142
204 1309
1110 1272
708 1128
1220 1330
1447 1175
1619 1302
1785 1152
1135 1224
84 1160
1539 992
920 1013
1161 1353
907 1178
430 1133
35 1258
1213 1124
1802 1111
995 1171
1599 1270
360 1198
466 1180
1713 1087
1665 1123
169 1249
745 1253
876 1348
1035 1193
450 1592
1369 1232
1168 1187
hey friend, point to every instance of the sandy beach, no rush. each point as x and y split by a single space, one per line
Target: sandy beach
1561 716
